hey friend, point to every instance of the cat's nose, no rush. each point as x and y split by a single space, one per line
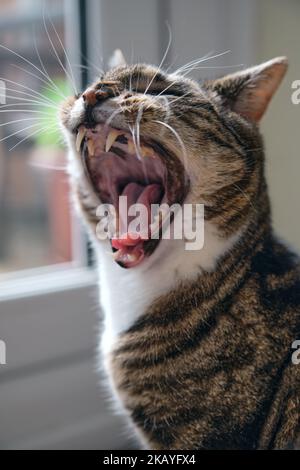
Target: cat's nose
90 97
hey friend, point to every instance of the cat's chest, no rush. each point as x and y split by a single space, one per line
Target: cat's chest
127 294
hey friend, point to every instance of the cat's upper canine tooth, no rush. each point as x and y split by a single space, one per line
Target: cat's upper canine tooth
80 136
147 152
110 139
91 147
131 147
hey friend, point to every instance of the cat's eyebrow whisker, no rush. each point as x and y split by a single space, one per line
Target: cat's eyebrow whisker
188 64
162 60
195 62
57 55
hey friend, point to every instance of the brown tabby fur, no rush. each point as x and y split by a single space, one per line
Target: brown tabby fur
208 366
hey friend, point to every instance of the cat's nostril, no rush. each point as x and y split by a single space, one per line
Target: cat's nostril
89 97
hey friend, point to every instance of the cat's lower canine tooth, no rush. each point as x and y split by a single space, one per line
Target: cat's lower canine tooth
91 147
110 139
80 137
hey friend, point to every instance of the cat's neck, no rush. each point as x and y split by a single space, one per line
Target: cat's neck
126 294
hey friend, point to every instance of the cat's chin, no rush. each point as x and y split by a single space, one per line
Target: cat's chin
143 173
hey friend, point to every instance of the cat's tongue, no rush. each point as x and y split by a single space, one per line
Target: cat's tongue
129 243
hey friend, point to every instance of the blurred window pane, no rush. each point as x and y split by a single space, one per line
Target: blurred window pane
35 222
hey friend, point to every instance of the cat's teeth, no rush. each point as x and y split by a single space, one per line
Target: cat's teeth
125 257
146 152
80 137
110 139
91 147
130 147
132 257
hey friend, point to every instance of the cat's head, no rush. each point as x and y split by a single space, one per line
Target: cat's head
163 138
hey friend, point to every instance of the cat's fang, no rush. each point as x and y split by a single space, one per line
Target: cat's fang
80 137
111 137
91 147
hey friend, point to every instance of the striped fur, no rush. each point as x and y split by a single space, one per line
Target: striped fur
199 351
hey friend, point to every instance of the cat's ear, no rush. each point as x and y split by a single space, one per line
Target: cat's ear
117 59
249 92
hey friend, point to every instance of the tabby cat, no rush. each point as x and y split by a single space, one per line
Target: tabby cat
197 344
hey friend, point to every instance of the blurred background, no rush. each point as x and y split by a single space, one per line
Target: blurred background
50 393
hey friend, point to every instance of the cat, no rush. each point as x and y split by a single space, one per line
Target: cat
197 344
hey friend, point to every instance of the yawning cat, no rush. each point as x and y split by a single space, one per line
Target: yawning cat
197 343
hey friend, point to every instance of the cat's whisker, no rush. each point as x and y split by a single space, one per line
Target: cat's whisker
57 55
28 62
22 120
41 130
29 101
24 87
52 84
24 111
66 55
179 98
112 116
47 83
175 133
198 61
163 59
46 101
19 131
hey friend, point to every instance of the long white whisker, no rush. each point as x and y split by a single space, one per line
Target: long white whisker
46 82
66 55
188 69
26 60
188 64
31 101
52 84
57 55
43 129
163 59
177 137
111 117
2 106
22 120
23 86
24 111
45 101
19 131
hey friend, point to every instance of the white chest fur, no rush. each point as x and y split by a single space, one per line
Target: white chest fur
125 294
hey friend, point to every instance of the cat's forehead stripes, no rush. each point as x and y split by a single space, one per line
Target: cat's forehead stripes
142 77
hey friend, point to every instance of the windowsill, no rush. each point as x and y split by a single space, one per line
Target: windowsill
43 281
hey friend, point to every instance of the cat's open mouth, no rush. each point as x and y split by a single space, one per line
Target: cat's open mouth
143 172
